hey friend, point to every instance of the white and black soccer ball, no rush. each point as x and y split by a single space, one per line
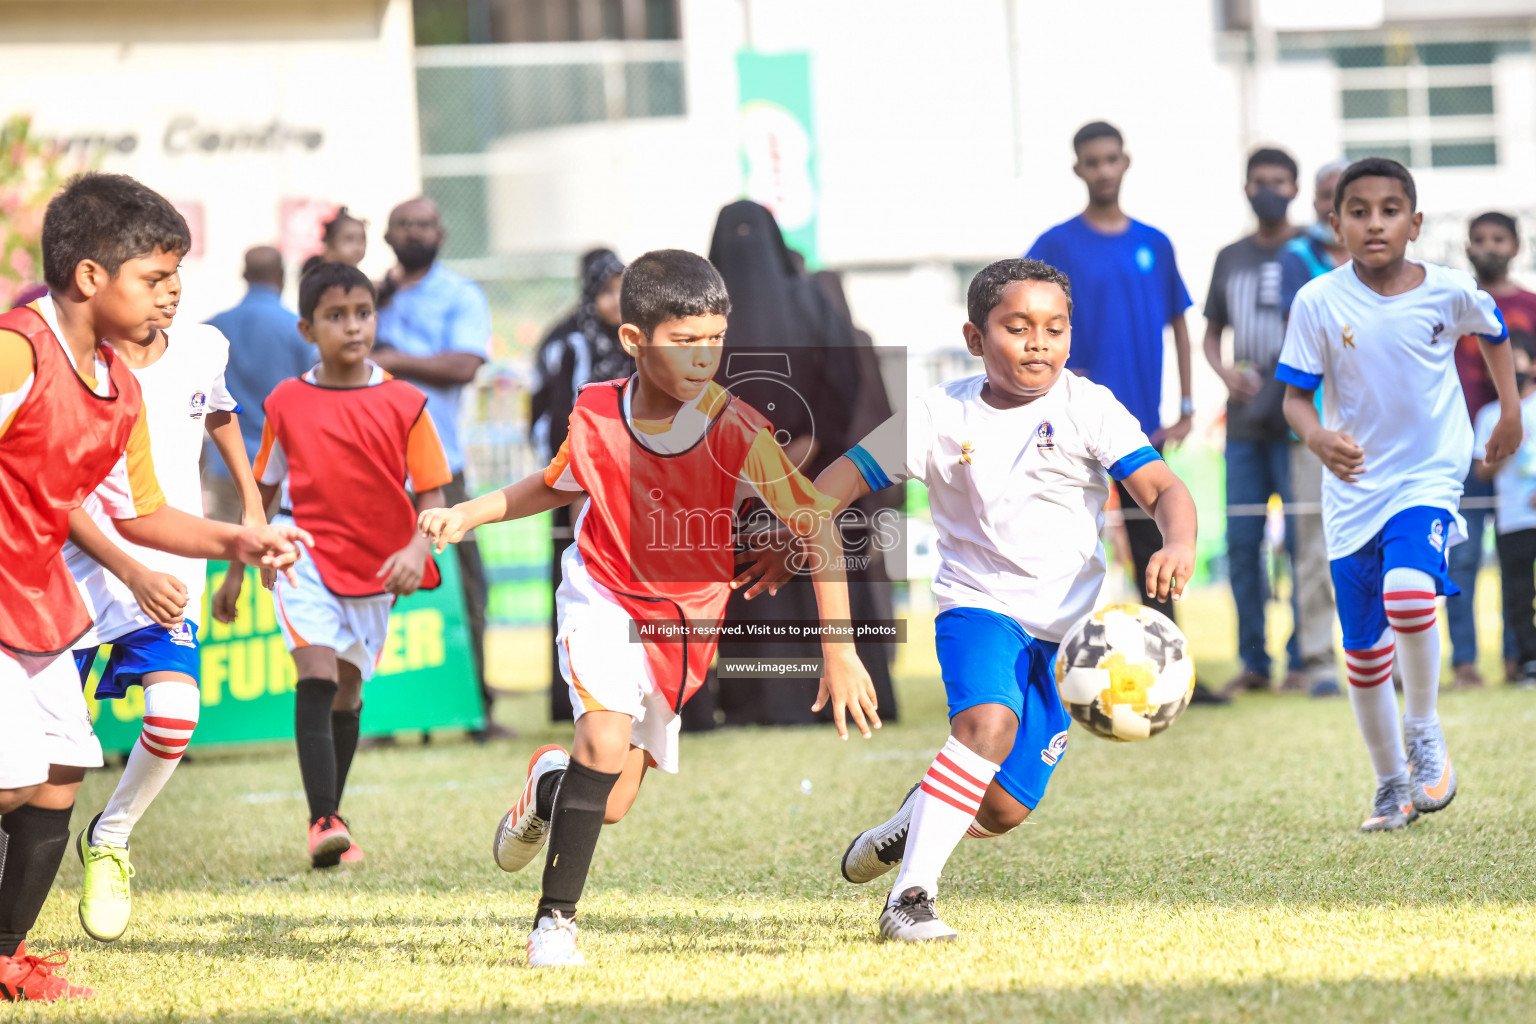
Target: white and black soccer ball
1124 672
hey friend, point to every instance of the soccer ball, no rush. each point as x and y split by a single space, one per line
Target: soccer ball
1124 672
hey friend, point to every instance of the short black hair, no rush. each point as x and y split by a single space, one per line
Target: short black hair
669 284
1503 220
325 276
341 217
1096 130
109 219
1375 167
987 286
1268 156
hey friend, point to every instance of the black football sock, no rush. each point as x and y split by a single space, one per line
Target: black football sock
345 726
544 796
575 822
317 747
32 845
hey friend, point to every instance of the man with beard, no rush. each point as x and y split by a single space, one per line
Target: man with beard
434 330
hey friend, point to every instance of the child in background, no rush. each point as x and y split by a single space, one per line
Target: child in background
1514 485
340 443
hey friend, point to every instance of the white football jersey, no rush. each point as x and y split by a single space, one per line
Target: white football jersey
1017 495
180 389
1387 369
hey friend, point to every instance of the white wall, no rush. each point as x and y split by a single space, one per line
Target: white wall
337 75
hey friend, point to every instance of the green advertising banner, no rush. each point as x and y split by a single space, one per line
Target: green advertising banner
778 143
425 678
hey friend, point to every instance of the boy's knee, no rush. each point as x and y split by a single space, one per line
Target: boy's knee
999 820
986 729
10 799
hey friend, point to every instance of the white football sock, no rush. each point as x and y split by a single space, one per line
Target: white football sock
944 810
977 831
1409 595
170 715
1375 705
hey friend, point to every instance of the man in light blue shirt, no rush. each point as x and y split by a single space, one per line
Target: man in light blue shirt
434 330
265 347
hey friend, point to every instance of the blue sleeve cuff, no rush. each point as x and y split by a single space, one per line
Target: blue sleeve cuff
1302 379
237 408
868 468
1503 335
1129 464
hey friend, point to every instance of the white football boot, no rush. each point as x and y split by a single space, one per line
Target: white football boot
522 832
1431 779
875 851
553 943
912 919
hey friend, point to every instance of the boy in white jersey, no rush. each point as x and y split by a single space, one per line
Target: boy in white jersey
137 596
1379 334
1018 463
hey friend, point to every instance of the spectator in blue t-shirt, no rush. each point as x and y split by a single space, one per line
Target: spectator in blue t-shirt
1126 290
265 347
435 331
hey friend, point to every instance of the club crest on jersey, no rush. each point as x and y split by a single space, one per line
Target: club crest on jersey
181 633
1437 535
1045 436
1053 751
198 405
966 448
1348 336
1434 336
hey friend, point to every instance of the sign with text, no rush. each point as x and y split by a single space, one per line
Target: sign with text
425 678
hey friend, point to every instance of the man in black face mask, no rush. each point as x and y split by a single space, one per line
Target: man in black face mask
1245 296
434 330
1493 241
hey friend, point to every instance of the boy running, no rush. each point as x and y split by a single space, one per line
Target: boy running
664 458
1018 462
341 442
1379 334
71 418
136 594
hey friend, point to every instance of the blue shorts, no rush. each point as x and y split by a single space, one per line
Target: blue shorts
1415 538
987 658
135 655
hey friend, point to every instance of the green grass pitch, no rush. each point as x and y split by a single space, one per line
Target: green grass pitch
1213 874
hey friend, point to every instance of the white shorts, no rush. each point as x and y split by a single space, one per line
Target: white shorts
311 616
44 719
604 670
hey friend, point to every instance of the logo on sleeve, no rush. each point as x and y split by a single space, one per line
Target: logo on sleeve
966 448
1045 436
1348 336
199 405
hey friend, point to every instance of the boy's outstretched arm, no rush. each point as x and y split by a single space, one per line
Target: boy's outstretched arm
224 429
1338 451
770 566
1165 498
162 596
170 529
1509 432
528 497
844 680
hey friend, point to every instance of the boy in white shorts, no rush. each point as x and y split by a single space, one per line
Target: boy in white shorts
136 595
340 442
663 458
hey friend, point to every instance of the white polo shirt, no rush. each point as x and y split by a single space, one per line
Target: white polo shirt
1017 495
180 389
1387 369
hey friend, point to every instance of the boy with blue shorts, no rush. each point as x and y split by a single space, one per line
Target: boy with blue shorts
1379 334
145 602
1018 463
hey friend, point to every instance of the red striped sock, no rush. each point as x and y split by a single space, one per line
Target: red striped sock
1409 597
944 812
1375 705
170 716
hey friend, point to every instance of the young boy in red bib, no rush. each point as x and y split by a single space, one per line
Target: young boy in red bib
340 443
663 459
71 419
